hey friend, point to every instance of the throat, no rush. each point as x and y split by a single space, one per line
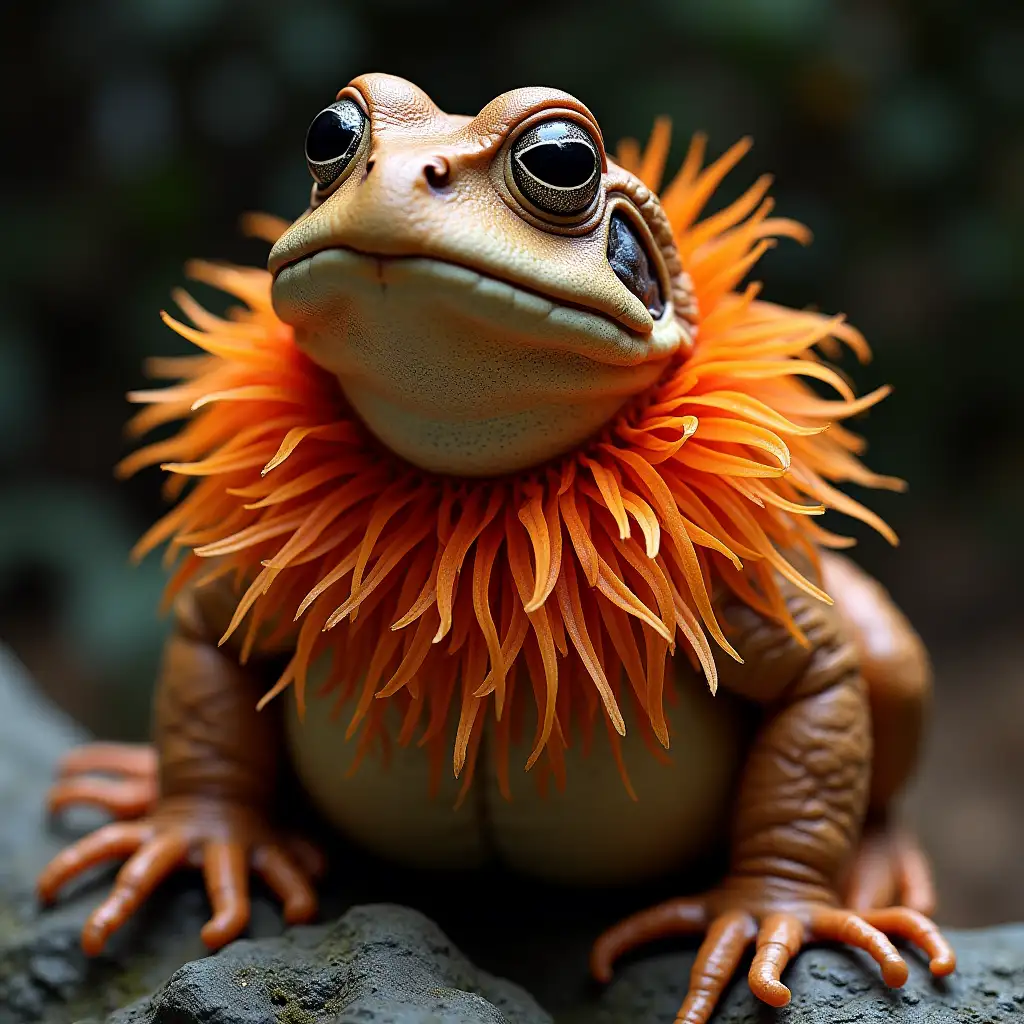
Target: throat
485 445
460 373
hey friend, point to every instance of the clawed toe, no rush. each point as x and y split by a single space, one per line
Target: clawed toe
225 839
716 962
119 778
847 927
123 798
912 925
135 760
108 843
139 876
890 869
778 937
778 941
675 917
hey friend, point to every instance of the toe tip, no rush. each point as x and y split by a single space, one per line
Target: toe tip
301 911
775 994
600 967
93 941
895 973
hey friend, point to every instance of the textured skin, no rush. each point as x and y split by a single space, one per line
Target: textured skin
895 663
216 778
796 820
801 803
468 340
799 828
390 208
424 221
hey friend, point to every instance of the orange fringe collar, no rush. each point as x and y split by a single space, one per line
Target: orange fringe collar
575 580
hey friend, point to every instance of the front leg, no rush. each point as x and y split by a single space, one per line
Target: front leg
801 804
202 798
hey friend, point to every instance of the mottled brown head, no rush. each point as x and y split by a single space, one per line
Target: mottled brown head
489 291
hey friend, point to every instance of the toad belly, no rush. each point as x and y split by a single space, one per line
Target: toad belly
590 832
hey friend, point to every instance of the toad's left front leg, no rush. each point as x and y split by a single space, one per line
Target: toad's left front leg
800 808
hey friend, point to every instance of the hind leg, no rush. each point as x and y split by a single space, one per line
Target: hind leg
889 867
800 803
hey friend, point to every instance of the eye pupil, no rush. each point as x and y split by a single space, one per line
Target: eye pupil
566 163
333 139
328 136
556 167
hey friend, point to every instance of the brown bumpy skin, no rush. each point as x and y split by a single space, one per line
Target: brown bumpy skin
478 337
852 699
203 798
806 789
889 866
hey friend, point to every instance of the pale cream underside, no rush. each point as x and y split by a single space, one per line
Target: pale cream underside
589 833
459 372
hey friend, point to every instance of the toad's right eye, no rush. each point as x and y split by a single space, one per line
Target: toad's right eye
332 141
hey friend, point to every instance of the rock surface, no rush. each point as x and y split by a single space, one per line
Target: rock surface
377 963
43 974
383 962
832 986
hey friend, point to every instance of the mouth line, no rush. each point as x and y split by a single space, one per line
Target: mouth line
382 258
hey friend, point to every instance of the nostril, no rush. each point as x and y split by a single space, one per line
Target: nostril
437 172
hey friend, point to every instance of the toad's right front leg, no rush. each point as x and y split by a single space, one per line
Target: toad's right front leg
208 804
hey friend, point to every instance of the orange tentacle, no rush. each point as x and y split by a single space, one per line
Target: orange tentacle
717 469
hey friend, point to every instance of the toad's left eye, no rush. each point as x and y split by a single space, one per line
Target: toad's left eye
333 140
557 168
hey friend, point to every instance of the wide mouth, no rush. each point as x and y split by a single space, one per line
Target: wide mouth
312 282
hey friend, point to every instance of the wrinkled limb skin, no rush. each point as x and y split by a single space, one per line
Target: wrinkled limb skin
202 797
889 866
797 873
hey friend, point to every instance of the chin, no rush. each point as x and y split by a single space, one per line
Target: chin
460 373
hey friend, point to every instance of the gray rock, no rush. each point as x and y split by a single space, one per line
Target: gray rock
35 967
33 735
44 976
378 963
393 963
383 962
834 986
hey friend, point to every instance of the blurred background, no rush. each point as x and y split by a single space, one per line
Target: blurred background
137 132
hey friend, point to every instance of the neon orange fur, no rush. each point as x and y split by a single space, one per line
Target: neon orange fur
578 578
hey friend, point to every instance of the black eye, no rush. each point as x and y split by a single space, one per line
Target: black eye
632 264
333 140
556 166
